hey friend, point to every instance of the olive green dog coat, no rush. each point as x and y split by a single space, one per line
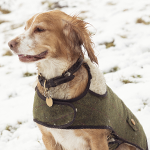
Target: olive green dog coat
92 111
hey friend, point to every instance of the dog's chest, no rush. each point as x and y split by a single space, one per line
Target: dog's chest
68 139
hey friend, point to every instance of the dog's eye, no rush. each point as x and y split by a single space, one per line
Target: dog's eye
39 30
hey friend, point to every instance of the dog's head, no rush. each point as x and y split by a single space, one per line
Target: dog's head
52 34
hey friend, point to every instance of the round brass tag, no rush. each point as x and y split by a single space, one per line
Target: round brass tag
49 101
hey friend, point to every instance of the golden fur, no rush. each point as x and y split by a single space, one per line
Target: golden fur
62 37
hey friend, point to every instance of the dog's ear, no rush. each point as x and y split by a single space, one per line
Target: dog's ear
77 35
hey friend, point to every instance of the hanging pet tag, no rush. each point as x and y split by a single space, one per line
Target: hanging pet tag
49 101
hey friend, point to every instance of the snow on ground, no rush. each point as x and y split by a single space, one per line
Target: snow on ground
121 30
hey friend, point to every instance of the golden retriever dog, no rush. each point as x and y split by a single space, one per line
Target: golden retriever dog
55 41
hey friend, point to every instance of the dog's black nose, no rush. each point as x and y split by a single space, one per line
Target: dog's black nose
13 45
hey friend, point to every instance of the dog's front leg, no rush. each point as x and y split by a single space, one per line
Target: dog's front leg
48 139
99 144
50 143
98 139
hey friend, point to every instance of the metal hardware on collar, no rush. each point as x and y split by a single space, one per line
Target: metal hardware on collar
65 77
49 100
67 74
44 85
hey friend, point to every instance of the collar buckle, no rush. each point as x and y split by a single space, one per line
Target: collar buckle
67 74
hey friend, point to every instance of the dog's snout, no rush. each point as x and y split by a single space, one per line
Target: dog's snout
13 45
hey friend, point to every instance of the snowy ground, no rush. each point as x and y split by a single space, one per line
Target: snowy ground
124 25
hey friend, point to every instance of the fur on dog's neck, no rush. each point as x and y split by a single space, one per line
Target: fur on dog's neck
51 68
54 67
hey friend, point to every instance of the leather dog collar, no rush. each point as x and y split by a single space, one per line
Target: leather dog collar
65 77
